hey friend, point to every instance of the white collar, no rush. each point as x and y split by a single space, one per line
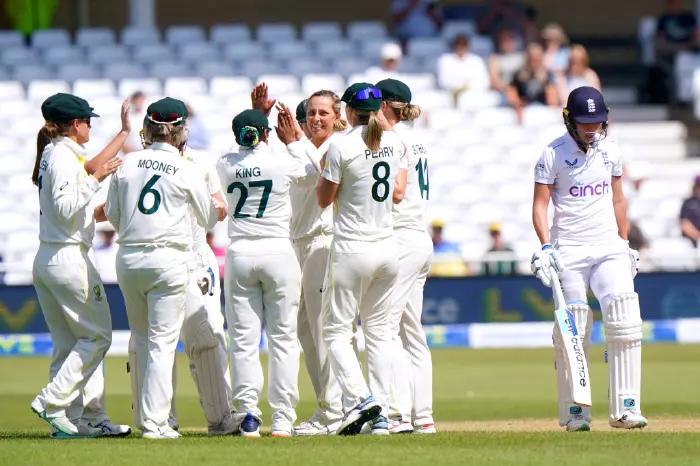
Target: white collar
78 149
164 146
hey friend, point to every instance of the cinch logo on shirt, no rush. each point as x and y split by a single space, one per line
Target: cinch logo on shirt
590 189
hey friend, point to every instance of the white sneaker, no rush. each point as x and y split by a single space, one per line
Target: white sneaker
161 434
428 428
61 426
316 428
250 426
400 427
630 420
577 424
379 425
109 429
280 432
353 421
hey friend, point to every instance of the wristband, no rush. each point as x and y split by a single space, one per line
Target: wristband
547 246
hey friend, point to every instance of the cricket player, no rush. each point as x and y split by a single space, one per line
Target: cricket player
312 232
203 325
262 279
412 390
581 172
66 281
148 203
364 173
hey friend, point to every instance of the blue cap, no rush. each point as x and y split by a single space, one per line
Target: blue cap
586 105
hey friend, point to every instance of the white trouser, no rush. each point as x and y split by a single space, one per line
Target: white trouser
360 279
262 285
313 252
153 282
606 270
74 304
205 341
412 382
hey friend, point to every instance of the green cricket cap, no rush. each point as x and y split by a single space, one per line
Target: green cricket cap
254 118
167 111
65 107
363 96
393 89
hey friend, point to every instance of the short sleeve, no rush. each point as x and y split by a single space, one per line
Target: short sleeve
544 169
616 160
332 170
400 147
685 210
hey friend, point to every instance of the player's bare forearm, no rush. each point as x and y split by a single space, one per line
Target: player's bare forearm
107 153
540 202
400 186
326 192
620 207
689 230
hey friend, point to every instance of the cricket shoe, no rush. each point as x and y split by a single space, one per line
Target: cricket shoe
61 426
353 421
250 426
400 427
630 420
315 427
227 426
380 426
427 428
577 424
281 432
163 433
109 429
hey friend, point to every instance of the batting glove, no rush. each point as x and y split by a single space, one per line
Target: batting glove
542 261
634 261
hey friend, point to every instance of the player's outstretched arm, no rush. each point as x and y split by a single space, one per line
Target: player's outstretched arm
115 145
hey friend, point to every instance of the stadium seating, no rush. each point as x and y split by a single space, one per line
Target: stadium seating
481 159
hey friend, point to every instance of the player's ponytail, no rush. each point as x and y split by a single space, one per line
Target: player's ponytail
248 136
46 134
373 133
405 111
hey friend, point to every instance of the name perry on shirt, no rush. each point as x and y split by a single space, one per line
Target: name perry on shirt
247 172
158 166
381 153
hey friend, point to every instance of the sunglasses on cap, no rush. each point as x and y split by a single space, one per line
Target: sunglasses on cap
170 118
366 94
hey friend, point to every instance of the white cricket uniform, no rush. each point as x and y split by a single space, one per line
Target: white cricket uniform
148 203
412 390
584 231
262 279
312 232
363 261
66 281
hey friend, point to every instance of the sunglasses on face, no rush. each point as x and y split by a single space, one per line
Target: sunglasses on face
368 93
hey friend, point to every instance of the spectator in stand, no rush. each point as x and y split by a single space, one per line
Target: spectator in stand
556 52
690 214
460 70
508 14
577 74
533 83
198 138
390 55
676 31
137 113
105 252
219 252
506 61
499 258
447 256
415 18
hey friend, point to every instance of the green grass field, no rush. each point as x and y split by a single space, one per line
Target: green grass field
491 406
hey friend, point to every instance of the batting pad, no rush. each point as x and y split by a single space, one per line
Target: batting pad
135 368
209 368
623 332
583 317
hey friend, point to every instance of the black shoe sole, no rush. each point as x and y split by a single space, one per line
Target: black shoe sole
354 428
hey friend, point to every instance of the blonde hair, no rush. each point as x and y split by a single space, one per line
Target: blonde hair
372 135
49 131
582 52
175 135
405 111
338 124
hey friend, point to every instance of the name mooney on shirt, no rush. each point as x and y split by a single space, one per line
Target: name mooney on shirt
247 172
383 152
158 166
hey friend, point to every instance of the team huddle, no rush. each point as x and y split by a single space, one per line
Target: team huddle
327 231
